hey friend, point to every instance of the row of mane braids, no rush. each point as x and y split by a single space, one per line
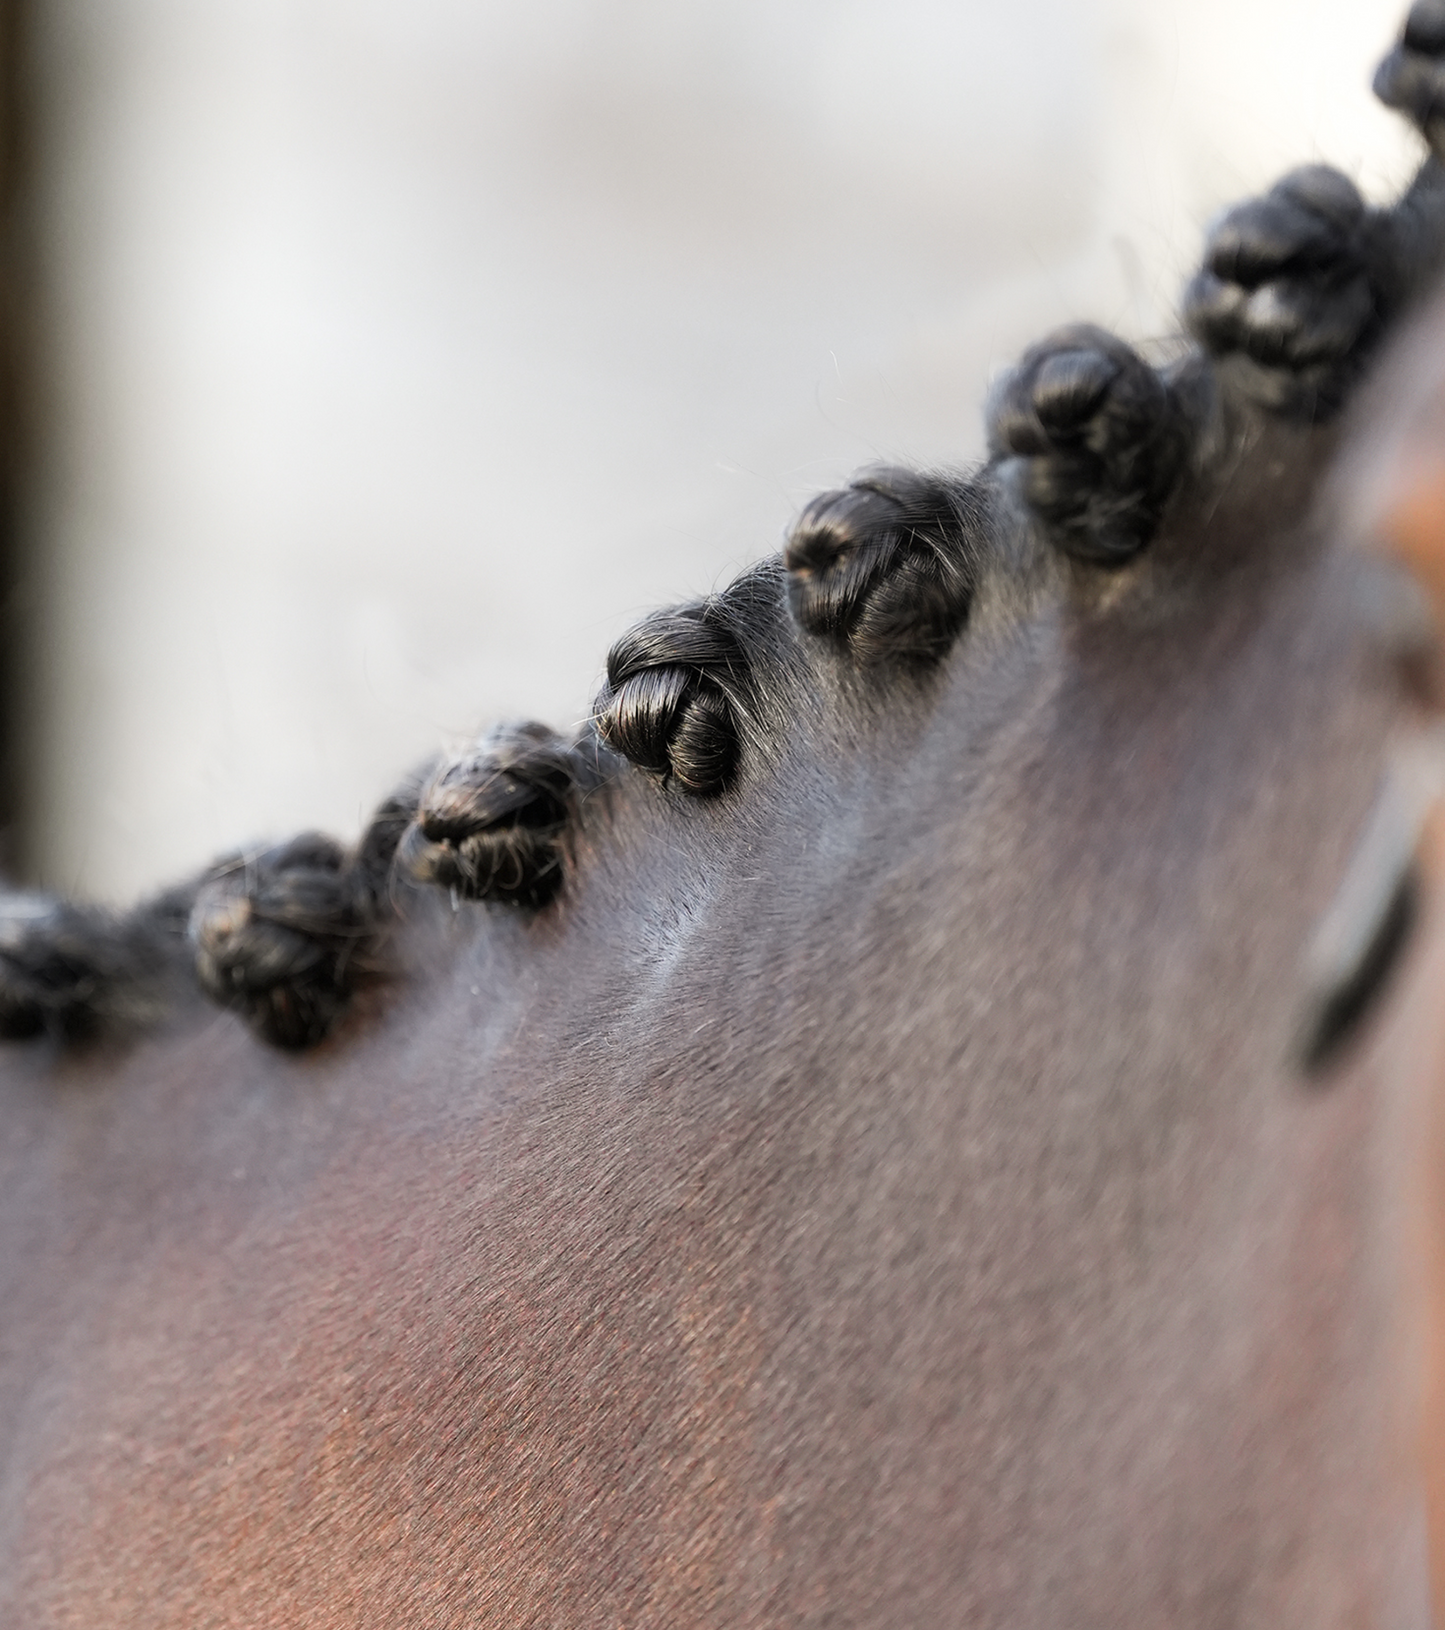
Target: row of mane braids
1088 445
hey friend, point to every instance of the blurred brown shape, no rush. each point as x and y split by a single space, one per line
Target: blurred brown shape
1399 494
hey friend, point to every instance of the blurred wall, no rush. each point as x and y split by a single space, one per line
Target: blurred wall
401 352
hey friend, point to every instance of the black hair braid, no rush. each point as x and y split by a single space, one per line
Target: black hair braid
492 823
886 567
670 701
285 937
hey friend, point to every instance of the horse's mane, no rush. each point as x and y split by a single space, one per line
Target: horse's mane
820 1141
1090 449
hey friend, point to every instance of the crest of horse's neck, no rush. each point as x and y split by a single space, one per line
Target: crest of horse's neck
880 1192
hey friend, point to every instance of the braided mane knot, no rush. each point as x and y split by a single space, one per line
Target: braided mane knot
1411 78
1292 291
1091 438
669 702
282 937
883 566
74 972
491 822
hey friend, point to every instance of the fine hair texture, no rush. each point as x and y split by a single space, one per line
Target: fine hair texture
1288 287
860 1192
886 567
285 937
1089 447
280 938
1094 439
76 972
492 822
670 704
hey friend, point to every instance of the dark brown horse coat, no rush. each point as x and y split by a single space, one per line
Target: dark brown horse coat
879 1192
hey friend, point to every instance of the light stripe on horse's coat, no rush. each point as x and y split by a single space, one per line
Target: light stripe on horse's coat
848 1170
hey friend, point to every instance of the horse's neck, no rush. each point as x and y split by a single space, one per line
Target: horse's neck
889 1191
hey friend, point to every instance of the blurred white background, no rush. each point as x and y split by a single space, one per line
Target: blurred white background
403 352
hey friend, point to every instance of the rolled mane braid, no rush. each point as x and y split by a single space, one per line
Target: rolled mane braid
491 823
285 937
1092 439
280 938
77 972
666 705
884 567
1292 293
1410 78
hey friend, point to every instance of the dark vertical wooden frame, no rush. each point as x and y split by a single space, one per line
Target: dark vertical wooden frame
16 362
